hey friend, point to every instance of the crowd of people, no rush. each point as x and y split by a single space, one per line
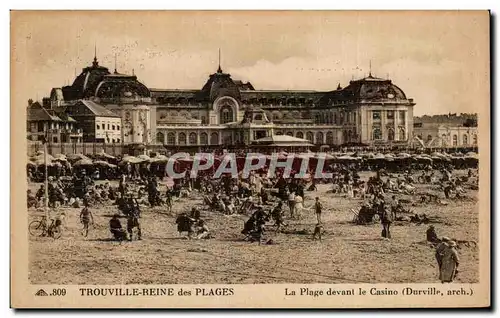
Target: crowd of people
261 197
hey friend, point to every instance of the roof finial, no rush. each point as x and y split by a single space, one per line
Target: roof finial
95 63
370 74
116 72
219 70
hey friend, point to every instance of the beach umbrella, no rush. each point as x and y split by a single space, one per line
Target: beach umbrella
60 157
83 162
131 159
101 163
104 155
379 156
403 155
144 158
472 155
159 158
77 157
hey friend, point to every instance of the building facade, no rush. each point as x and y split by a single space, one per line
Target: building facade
98 123
446 135
55 127
228 112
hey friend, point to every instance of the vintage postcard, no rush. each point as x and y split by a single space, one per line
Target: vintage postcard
250 159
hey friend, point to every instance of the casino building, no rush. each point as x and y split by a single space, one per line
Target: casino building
228 112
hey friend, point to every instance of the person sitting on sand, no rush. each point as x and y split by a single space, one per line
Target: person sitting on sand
432 235
115 227
203 232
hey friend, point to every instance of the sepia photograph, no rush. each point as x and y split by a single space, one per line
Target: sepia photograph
251 147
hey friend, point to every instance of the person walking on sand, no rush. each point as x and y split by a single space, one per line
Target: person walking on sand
449 263
386 219
291 203
318 208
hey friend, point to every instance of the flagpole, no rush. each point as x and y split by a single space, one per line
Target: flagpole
46 203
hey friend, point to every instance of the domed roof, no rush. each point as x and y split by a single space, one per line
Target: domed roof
219 84
121 85
86 83
374 88
368 88
97 81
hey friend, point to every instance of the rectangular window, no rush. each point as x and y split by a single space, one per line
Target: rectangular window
376 115
402 116
390 114
108 126
112 127
118 127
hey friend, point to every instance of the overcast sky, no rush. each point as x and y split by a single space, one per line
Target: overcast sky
439 59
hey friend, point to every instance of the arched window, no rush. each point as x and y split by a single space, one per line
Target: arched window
226 115
171 138
299 134
377 133
402 134
329 138
160 138
289 133
193 139
455 140
465 140
182 138
474 139
204 138
310 136
319 137
214 138
444 141
390 134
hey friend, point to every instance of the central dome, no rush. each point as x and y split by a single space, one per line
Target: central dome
219 84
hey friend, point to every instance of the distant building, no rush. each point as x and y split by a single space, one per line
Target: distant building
98 123
46 123
227 112
436 131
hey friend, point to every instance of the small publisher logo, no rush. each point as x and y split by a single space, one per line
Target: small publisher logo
41 292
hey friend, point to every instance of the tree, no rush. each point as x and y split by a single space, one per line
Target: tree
470 122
